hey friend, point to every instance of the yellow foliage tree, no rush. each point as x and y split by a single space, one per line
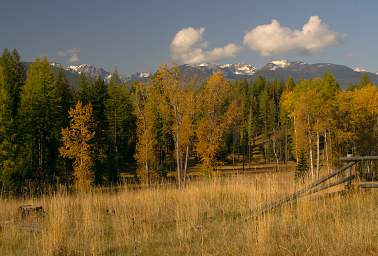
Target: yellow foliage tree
177 106
310 105
357 115
76 145
217 112
145 111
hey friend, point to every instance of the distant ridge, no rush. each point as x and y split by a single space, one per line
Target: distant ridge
278 69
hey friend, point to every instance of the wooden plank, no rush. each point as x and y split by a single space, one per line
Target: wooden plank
309 189
368 185
358 158
333 184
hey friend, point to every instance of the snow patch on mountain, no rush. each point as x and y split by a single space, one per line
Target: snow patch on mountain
90 70
144 74
281 63
55 64
360 69
243 69
236 68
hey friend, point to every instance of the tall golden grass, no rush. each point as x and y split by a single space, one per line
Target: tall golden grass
208 217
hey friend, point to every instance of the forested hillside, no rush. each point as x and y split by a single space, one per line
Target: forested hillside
51 133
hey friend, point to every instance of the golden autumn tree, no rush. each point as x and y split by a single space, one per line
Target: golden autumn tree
145 106
310 107
76 145
216 114
177 105
357 121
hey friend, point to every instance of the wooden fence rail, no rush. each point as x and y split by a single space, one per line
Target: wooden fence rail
319 185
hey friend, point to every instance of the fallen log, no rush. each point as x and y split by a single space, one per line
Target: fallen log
27 209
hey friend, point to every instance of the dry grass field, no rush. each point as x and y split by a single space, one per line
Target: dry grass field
208 217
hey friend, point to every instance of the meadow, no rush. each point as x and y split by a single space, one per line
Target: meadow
208 217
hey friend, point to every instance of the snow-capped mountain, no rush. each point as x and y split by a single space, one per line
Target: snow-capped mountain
239 69
143 74
281 70
90 70
281 64
229 70
276 69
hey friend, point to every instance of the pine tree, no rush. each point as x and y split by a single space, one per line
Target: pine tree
120 126
11 82
40 123
99 95
76 145
64 102
6 159
64 96
14 78
84 92
364 81
290 84
302 167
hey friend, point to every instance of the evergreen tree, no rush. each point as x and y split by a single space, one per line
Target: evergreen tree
40 123
120 126
364 81
301 169
84 91
14 78
64 96
65 100
11 81
290 84
6 159
99 94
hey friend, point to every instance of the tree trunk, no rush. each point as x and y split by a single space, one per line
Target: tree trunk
178 163
317 154
286 153
326 150
310 148
186 163
296 140
275 152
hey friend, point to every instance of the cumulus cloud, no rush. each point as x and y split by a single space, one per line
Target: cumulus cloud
274 38
188 46
72 55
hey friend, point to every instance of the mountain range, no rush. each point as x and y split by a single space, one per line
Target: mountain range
278 69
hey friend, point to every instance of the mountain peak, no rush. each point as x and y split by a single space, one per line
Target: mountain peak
277 69
90 70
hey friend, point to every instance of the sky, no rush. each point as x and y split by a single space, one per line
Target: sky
140 35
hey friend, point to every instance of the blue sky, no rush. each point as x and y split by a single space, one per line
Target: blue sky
137 35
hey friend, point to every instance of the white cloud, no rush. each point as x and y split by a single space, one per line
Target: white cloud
71 54
228 51
273 38
188 47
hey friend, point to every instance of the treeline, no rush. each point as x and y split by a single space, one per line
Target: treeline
34 106
53 134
